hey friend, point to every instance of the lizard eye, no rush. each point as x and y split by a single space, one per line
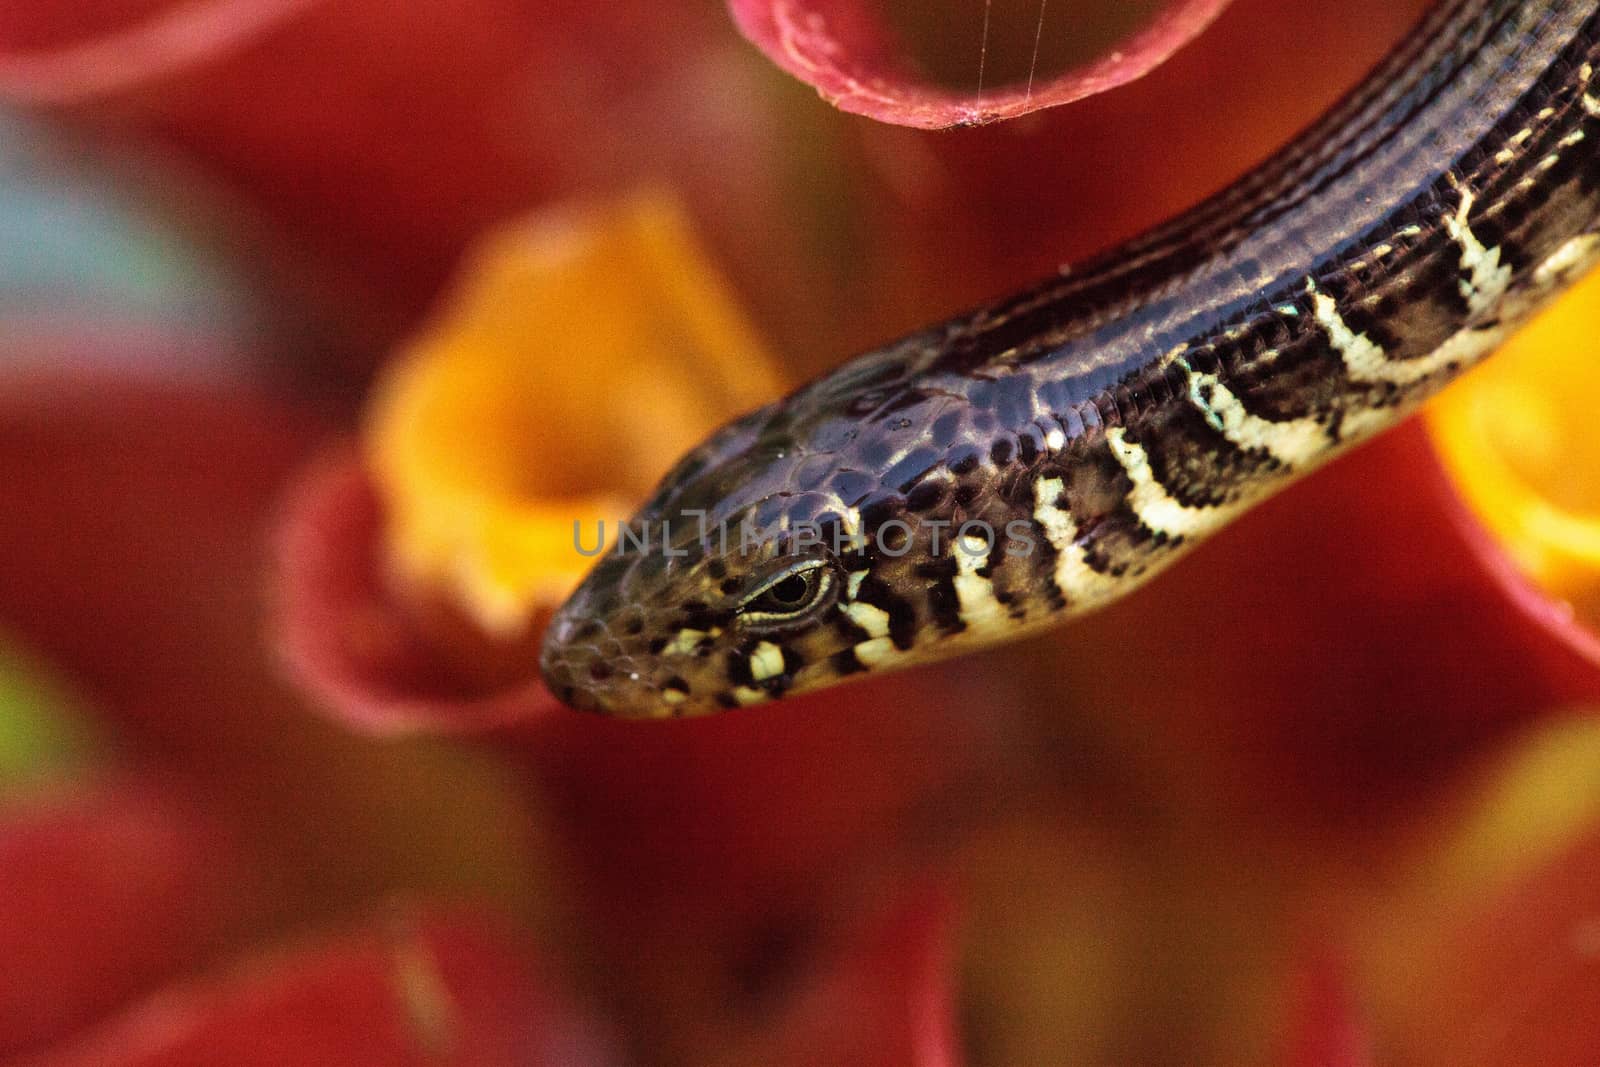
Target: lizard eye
788 596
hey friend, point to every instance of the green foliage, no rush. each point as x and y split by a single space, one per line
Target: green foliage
43 731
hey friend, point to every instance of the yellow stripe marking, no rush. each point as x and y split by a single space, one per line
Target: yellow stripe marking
975 597
1292 442
1364 361
766 661
1488 278
684 642
1573 255
1157 508
1081 583
876 652
871 618
852 584
1461 350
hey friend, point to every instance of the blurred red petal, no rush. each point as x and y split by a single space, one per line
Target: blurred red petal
135 521
354 646
726 865
1554 616
378 139
104 893
1323 1027
887 1002
64 53
130 519
434 989
1515 984
299 104
726 811
847 52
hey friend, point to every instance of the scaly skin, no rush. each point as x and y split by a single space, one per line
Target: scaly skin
1102 422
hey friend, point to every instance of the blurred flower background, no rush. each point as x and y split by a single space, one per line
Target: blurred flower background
320 320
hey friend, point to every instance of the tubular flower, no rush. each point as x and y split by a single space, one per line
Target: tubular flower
182 814
1494 905
494 479
1519 444
278 779
584 354
846 52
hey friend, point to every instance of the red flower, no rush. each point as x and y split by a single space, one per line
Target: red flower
1318 795
846 52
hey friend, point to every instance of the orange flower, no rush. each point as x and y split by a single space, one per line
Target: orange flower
1319 795
1521 444
585 353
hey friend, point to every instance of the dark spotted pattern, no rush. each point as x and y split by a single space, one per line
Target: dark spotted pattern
1123 411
